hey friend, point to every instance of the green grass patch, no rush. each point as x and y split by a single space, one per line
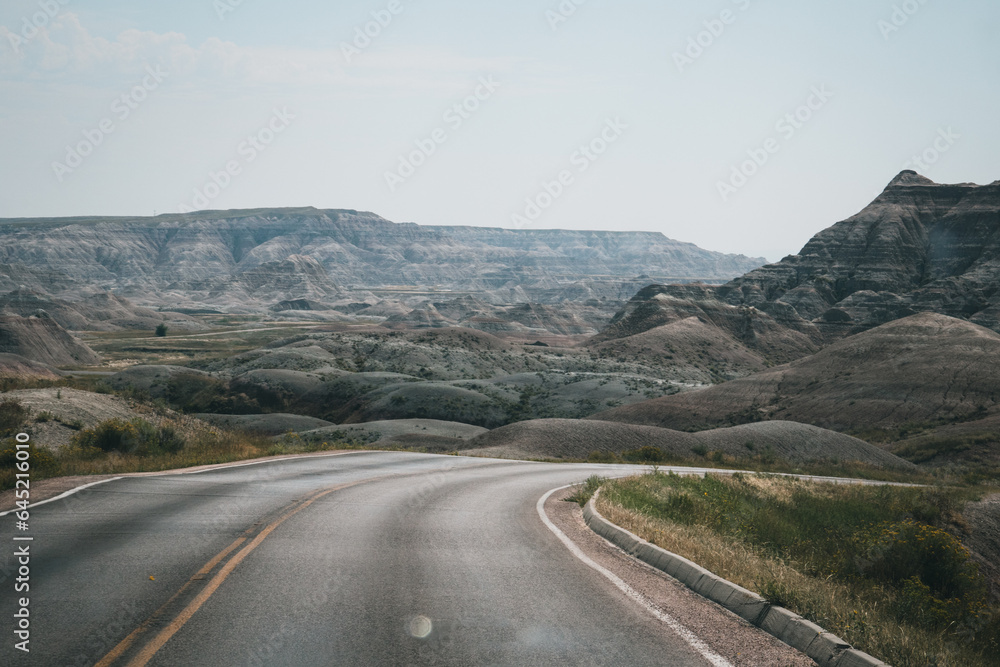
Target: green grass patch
925 449
587 490
12 416
880 566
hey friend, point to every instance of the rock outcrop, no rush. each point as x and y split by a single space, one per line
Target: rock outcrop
919 247
90 311
261 257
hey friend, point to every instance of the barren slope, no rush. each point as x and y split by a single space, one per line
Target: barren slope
63 412
577 439
42 339
923 367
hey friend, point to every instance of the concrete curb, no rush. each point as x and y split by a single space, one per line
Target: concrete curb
826 649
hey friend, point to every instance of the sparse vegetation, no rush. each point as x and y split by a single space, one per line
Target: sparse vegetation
124 446
880 566
587 490
923 450
43 464
12 416
136 436
647 454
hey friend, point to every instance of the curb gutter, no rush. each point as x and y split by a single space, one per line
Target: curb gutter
826 649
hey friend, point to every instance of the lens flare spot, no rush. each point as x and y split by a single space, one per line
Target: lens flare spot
421 627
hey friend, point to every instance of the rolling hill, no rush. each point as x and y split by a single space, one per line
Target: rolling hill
921 368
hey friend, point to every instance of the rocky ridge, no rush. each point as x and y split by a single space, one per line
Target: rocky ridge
919 247
254 258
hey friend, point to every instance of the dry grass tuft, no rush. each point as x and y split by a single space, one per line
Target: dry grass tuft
859 611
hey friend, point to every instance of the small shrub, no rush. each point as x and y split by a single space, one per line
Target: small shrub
114 435
587 491
700 450
647 454
901 551
601 457
277 449
778 594
12 417
918 604
41 460
169 441
42 463
768 456
43 417
129 437
161 330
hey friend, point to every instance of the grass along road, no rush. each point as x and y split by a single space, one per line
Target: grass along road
874 565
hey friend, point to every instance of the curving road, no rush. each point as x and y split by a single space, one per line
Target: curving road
369 558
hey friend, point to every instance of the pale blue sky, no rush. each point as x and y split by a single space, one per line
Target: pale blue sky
893 95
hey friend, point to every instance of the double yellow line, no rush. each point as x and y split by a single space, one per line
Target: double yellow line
146 653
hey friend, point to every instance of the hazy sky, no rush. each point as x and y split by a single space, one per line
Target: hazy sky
618 115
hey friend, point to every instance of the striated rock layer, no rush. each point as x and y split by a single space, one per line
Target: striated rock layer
266 256
42 340
919 247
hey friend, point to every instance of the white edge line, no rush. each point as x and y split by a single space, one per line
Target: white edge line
167 473
693 640
62 495
227 466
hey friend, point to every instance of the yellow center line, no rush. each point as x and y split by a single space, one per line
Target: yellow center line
164 636
210 565
124 645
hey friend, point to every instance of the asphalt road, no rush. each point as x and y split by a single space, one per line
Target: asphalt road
359 559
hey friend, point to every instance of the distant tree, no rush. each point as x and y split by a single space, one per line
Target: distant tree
161 330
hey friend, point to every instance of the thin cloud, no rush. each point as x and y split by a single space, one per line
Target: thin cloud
66 51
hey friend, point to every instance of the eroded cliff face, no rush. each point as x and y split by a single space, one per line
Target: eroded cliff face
267 256
919 247
41 339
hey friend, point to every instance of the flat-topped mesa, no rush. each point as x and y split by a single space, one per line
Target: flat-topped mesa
255 259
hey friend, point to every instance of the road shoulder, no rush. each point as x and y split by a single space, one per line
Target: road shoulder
739 642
